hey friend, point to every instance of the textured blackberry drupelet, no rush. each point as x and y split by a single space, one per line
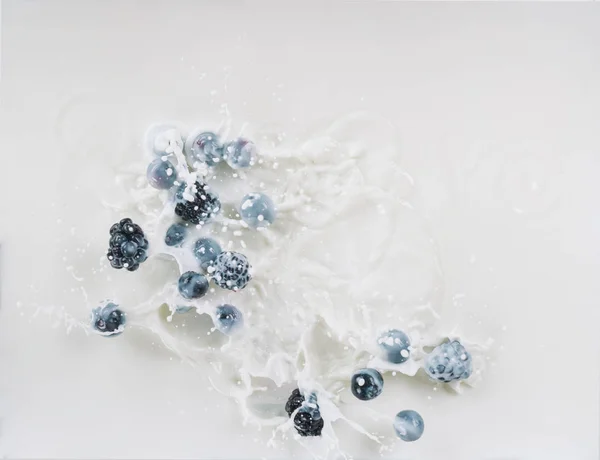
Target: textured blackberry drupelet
308 420
205 205
449 361
231 270
127 247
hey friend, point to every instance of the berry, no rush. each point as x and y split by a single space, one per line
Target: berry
127 247
192 285
366 384
308 420
161 174
108 319
240 153
182 309
205 148
228 319
175 235
396 346
231 271
449 361
257 210
205 205
409 425
206 251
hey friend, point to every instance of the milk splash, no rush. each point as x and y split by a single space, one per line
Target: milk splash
347 257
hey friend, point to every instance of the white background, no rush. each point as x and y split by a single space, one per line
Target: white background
497 108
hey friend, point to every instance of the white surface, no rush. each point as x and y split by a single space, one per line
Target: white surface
487 99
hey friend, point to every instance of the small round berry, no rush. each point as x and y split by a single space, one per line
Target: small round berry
206 251
409 425
228 319
161 174
366 384
449 361
204 206
396 346
127 247
108 320
240 153
257 210
204 147
175 235
192 285
231 271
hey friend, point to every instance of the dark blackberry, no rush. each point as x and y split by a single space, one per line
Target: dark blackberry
127 247
308 420
205 205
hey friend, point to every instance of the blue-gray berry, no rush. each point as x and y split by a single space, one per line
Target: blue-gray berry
175 235
108 319
228 319
366 384
257 210
206 148
192 285
449 361
409 425
161 174
240 153
231 271
396 346
206 251
128 246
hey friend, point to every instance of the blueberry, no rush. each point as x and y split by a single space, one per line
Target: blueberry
366 384
449 361
202 209
175 235
205 148
308 420
161 174
409 425
206 251
231 271
396 346
228 319
108 319
240 153
183 309
192 285
127 247
257 210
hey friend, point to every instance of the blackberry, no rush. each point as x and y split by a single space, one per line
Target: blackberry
449 361
308 420
127 247
205 205
108 319
231 270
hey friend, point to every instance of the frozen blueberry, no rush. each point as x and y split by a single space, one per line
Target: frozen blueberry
206 251
396 346
205 148
108 319
161 174
127 247
228 319
240 153
192 285
257 210
409 425
308 420
449 361
366 384
175 235
231 271
202 208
